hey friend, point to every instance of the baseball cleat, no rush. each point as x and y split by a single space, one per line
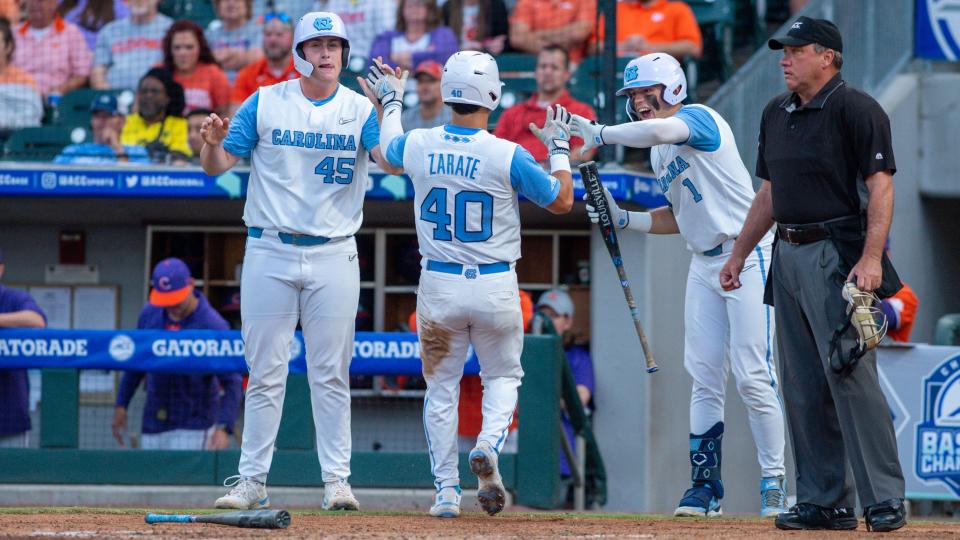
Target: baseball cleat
773 496
698 501
245 494
491 494
447 503
338 496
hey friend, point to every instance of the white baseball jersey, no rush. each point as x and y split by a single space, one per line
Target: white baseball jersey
466 183
308 159
704 180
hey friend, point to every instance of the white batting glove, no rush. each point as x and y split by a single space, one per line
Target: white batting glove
589 130
555 133
387 88
621 218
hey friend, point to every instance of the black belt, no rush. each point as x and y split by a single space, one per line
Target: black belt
805 234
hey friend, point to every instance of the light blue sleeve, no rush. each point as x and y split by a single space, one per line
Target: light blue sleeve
370 136
243 136
704 133
530 180
394 155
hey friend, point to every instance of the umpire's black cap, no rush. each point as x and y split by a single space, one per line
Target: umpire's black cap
806 31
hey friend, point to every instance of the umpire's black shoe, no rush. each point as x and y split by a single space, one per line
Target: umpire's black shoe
806 516
885 516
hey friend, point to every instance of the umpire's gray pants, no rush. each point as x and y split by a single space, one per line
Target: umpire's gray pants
839 425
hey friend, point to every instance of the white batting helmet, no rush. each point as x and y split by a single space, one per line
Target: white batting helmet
472 78
653 69
314 25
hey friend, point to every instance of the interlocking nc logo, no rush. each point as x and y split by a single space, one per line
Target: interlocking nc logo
796 25
323 23
630 74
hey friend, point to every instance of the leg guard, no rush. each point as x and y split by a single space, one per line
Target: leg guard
705 459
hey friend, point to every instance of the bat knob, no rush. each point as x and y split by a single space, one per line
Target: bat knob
652 369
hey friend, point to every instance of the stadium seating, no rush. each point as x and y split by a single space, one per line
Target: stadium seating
41 143
74 108
716 19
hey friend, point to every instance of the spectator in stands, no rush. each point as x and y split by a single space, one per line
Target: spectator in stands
275 66
364 22
92 15
17 310
558 307
10 10
418 37
429 111
52 50
646 26
106 123
20 101
235 38
182 412
565 23
158 125
552 73
901 310
194 120
187 55
126 48
478 25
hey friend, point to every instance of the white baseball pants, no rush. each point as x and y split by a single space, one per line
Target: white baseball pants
320 287
454 312
738 326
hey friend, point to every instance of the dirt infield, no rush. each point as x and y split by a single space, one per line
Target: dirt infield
79 523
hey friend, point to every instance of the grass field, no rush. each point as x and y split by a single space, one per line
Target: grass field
128 523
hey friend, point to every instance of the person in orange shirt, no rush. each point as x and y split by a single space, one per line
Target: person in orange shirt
901 310
565 23
188 56
552 73
645 26
275 66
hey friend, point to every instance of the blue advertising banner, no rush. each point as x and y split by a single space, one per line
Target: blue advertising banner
937 33
127 181
192 351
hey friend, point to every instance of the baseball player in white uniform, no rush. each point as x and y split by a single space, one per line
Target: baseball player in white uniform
468 227
308 141
709 191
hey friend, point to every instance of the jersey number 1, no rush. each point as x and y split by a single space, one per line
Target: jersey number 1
434 210
335 170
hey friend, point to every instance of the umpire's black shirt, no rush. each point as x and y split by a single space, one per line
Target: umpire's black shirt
815 155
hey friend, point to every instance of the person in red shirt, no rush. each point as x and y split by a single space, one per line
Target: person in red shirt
552 73
645 26
187 55
275 66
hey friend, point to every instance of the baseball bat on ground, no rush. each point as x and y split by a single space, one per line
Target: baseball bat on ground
591 182
250 519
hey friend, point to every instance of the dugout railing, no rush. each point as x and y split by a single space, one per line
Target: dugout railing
532 473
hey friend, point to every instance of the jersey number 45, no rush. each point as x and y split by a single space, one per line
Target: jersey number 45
339 170
434 210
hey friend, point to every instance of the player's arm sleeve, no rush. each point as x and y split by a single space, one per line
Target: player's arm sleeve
704 132
370 134
394 155
529 179
128 385
232 384
868 127
243 136
27 303
647 133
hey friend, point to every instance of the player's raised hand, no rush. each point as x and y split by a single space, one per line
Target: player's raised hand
555 133
621 218
589 130
214 129
385 84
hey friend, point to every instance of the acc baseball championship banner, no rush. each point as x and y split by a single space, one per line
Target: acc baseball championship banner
937 35
130 181
204 351
922 385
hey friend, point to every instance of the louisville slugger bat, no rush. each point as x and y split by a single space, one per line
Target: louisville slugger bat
591 182
250 519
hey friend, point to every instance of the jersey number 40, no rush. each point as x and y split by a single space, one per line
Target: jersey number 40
434 210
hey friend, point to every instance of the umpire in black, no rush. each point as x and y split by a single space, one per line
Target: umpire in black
826 164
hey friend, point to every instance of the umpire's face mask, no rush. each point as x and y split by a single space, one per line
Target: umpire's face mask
864 326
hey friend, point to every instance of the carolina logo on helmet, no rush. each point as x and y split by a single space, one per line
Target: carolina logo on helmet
630 74
323 23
